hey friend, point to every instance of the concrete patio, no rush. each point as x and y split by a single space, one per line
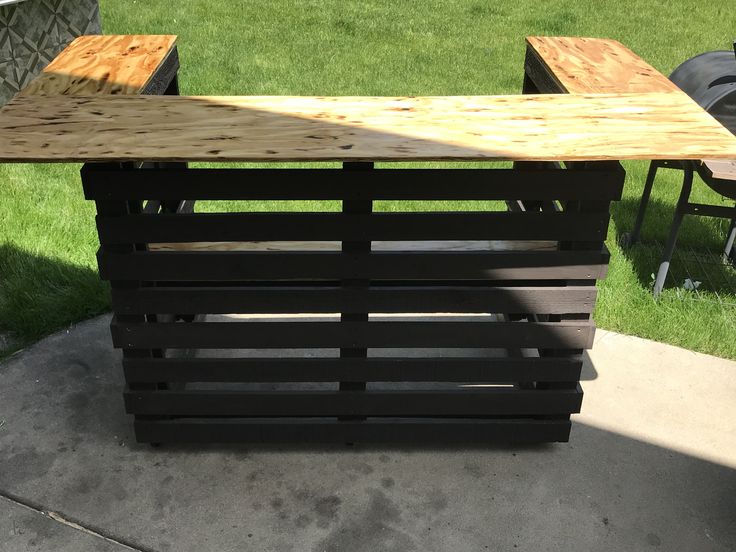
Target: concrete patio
651 464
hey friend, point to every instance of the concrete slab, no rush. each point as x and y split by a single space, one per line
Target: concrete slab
651 464
25 530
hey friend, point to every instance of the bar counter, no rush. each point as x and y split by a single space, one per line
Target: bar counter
357 325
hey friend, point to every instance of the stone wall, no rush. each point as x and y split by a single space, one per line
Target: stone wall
32 32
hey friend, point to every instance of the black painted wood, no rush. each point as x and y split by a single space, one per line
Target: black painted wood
460 369
396 184
215 227
330 299
161 82
551 292
275 335
373 430
409 265
540 80
461 402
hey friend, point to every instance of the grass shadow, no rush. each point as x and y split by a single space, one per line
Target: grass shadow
696 256
41 294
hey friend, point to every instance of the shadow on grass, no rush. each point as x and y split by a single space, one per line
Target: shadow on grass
697 253
41 294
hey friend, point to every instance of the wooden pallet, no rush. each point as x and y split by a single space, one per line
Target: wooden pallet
384 378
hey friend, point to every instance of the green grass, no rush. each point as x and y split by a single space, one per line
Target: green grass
47 266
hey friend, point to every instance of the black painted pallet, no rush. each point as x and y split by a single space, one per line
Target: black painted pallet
542 298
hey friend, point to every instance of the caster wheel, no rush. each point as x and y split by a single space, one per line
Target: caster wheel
624 240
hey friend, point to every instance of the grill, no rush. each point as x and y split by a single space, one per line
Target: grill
710 80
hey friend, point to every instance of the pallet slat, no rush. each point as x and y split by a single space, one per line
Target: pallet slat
274 335
409 265
444 369
372 430
465 402
381 184
214 227
389 299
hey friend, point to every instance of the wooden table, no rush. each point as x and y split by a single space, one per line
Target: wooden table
523 281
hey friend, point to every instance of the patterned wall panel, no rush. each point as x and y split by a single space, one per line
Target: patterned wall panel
34 31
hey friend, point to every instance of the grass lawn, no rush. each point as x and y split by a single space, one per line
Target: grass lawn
48 273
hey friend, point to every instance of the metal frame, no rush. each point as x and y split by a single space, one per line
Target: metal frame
683 207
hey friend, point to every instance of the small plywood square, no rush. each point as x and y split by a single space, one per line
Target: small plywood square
595 65
723 169
103 64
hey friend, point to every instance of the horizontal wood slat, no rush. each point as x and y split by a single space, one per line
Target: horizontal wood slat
448 369
214 227
410 265
372 430
378 246
266 335
596 184
393 299
101 183
461 402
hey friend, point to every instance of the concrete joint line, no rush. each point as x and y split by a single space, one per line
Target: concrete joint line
57 517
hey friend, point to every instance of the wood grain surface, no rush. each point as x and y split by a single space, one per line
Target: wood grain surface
595 65
96 64
433 245
723 169
281 128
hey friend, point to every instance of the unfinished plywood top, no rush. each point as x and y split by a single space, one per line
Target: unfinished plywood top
281 128
595 65
109 64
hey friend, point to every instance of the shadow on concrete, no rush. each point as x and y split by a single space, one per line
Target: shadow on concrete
68 447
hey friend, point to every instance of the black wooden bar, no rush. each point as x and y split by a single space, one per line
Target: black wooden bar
457 402
333 299
355 226
183 266
444 369
392 184
372 430
350 334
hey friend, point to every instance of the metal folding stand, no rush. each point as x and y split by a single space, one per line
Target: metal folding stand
683 207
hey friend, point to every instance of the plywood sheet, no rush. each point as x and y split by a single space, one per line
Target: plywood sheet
595 65
103 64
283 128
